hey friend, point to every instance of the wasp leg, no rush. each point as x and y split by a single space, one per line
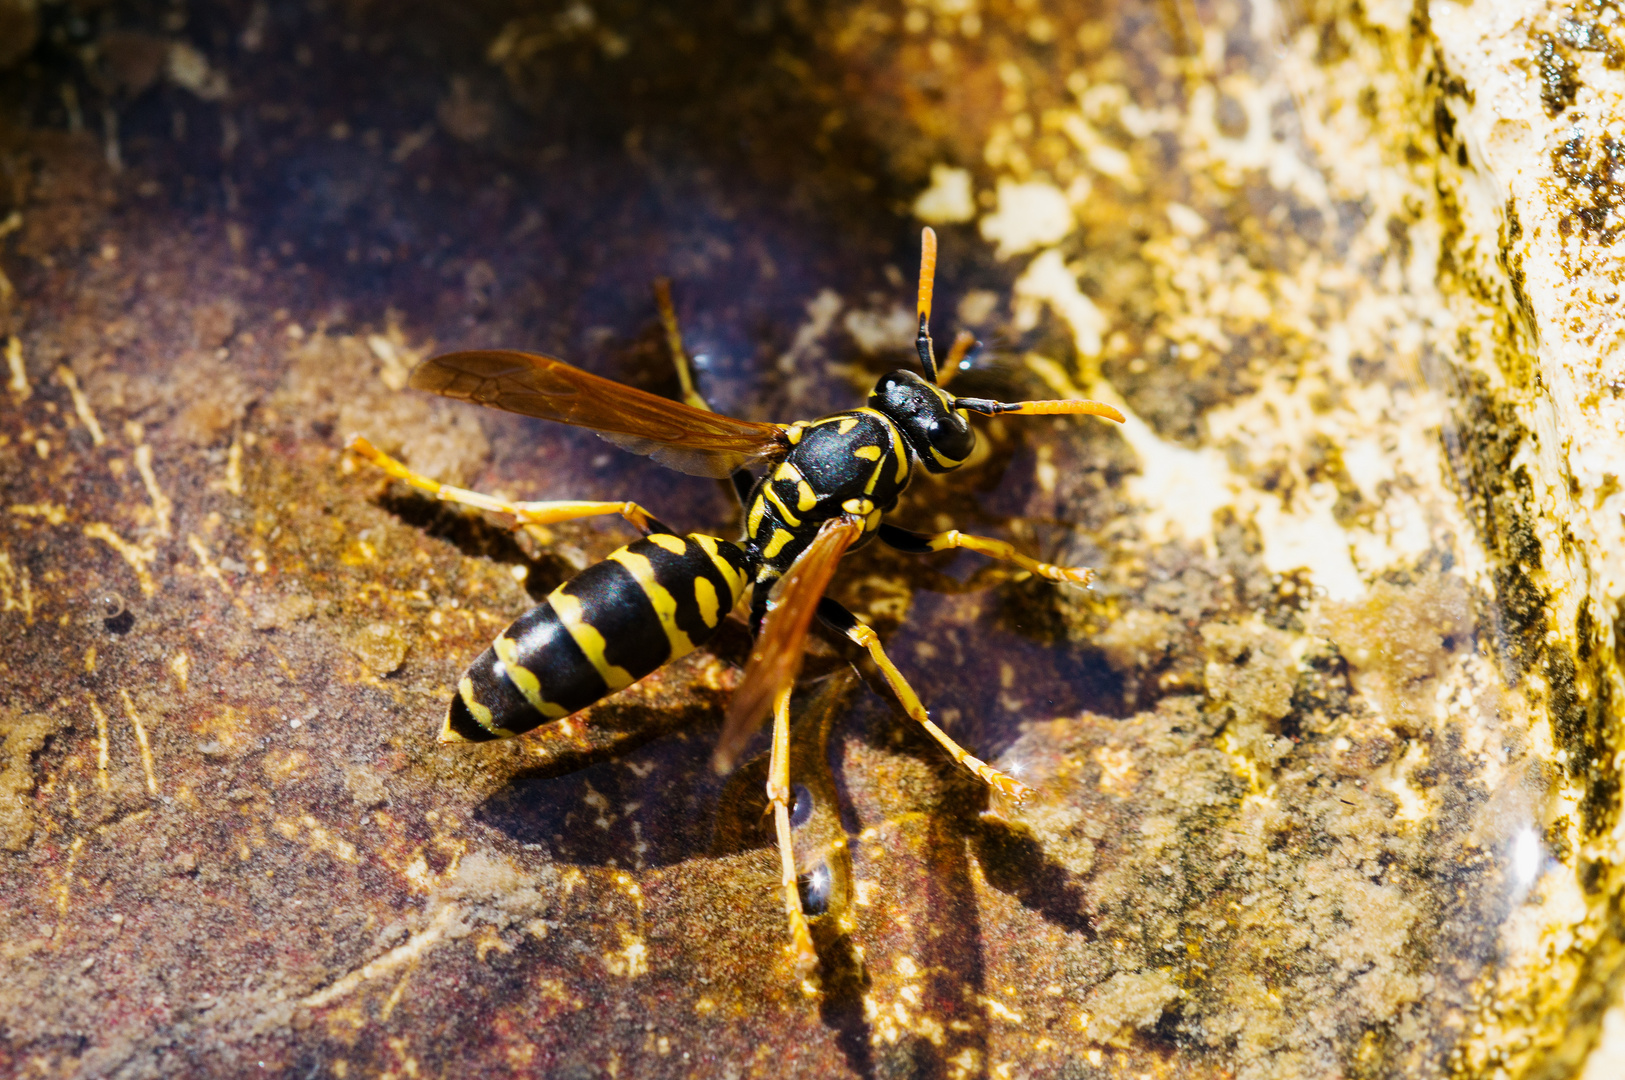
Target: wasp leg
922 543
741 479
842 620
760 590
674 341
526 513
804 955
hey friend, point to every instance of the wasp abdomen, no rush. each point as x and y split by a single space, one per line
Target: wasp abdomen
610 625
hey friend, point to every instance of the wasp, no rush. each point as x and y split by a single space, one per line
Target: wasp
811 491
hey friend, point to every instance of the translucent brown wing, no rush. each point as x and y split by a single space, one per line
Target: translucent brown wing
678 436
776 660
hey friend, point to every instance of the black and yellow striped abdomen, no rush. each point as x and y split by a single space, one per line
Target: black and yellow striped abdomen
648 603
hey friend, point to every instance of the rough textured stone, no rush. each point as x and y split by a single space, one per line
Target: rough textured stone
1326 761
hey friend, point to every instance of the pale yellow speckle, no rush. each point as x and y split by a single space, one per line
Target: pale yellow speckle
1029 215
20 390
950 198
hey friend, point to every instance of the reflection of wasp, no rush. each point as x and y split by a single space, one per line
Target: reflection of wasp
826 486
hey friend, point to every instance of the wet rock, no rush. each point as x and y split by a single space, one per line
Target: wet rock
19 28
1324 761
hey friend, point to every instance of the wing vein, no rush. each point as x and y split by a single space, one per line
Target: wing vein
676 435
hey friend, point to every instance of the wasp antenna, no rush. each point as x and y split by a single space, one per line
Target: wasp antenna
928 278
963 344
1065 407
674 342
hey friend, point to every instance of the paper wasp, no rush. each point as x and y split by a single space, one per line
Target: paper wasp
811 491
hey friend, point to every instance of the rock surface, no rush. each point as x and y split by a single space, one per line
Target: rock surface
1327 759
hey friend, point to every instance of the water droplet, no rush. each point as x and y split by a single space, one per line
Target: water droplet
815 887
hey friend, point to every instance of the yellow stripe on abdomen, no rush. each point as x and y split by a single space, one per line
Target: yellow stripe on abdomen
588 639
705 598
665 605
523 679
734 579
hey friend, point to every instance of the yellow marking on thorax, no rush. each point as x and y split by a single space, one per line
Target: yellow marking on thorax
673 544
847 425
793 432
899 449
753 520
789 518
897 444
781 537
867 453
874 479
665 604
705 595
858 506
523 679
588 638
735 580
806 497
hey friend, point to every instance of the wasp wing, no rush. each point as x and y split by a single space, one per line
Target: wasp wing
678 436
776 660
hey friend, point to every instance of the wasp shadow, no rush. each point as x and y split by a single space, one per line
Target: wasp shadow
478 536
643 807
1015 863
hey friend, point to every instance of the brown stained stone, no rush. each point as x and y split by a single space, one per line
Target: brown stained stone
1321 773
19 29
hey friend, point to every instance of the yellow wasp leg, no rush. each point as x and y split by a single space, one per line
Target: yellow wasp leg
993 778
674 341
804 956
999 549
526 513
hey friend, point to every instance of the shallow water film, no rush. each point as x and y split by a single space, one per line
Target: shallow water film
1326 760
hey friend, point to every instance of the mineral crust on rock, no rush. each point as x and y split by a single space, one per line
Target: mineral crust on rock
1327 760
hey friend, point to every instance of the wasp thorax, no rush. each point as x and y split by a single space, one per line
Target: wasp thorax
939 434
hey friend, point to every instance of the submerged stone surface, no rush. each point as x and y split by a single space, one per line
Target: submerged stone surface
1326 761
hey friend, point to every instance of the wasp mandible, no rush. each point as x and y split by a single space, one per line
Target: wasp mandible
811 491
